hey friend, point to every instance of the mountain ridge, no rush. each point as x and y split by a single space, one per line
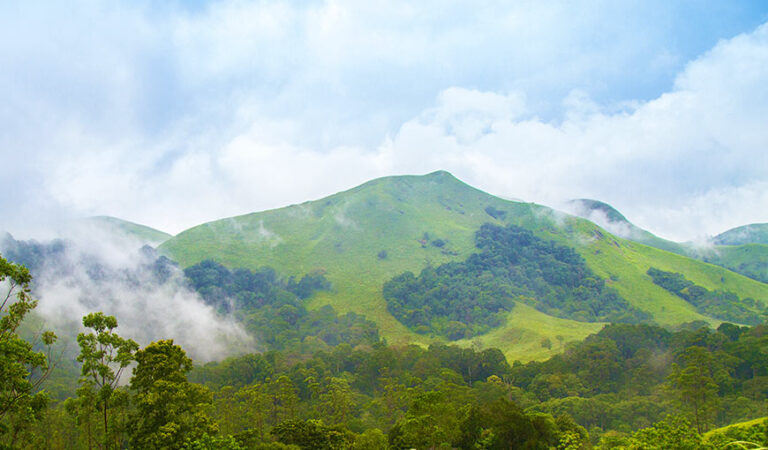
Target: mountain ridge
361 237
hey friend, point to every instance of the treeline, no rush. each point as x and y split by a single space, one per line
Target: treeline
272 308
629 376
462 299
628 386
719 304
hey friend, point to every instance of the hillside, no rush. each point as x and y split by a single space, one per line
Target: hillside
363 237
756 233
142 233
612 220
743 249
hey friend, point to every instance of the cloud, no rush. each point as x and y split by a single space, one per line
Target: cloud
687 163
101 270
172 115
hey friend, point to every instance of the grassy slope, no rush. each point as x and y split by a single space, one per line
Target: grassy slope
749 259
743 249
142 232
343 234
748 423
756 233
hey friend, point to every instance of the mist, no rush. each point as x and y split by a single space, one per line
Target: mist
97 268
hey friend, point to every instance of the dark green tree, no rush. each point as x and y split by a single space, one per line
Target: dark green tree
170 411
695 386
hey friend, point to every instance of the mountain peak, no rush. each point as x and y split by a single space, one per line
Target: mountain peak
586 206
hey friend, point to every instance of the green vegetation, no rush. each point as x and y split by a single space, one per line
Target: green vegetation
756 233
624 387
750 260
104 356
743 250
462 299
22 368
362 238
719 304
627 386
272 308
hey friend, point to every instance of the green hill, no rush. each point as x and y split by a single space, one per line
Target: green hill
612 220
143 233
756 233
363 237
743 250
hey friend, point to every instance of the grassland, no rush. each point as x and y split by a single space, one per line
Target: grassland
346 234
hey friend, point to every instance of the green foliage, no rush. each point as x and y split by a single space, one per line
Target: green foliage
720 304
104 355
696 386
750 435
460 300
20 405
169 410
671 433
392 213
313 435
623 379
273 309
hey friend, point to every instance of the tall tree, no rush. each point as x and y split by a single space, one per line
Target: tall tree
170 411
18 359
104 355
695 385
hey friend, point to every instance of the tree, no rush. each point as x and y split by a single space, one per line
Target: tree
672 432
18 359
170 411
695 385
104 355
313 434
336 401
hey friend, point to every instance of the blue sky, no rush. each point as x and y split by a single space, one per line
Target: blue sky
171 114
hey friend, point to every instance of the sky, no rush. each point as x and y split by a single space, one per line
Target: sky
171 114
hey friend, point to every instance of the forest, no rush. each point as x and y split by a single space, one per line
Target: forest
721 304
462 299
628 386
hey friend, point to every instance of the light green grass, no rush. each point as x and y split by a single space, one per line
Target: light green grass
746 424
342 235
521 338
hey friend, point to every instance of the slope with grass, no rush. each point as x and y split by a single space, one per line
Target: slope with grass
142 233
363 237
756 233
742 249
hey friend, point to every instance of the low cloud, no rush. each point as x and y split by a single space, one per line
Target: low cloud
101 271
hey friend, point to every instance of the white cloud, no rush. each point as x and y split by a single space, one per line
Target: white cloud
688 163
171 117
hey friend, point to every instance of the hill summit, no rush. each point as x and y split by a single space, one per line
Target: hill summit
363 237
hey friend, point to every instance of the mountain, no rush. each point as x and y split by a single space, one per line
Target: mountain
363 237
142 233
743 250
756 233
612 220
